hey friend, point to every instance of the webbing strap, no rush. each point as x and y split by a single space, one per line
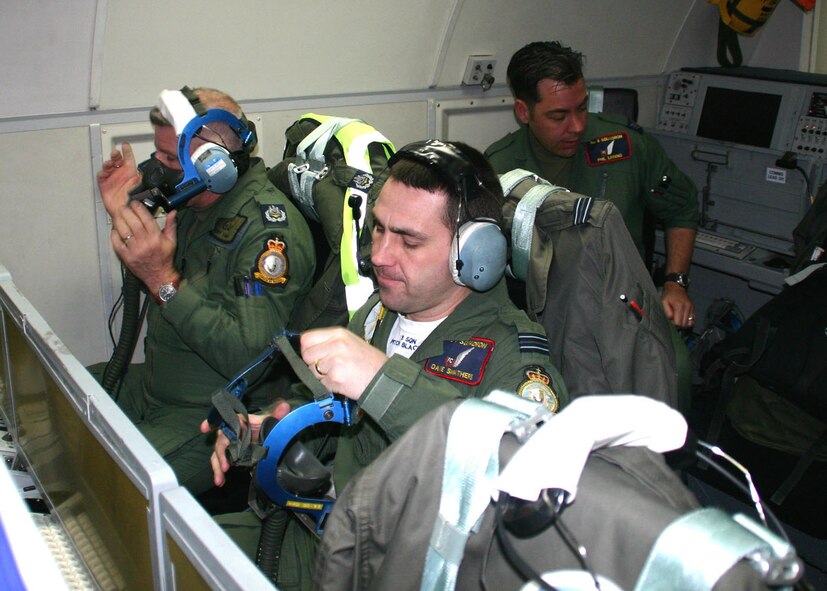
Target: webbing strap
695 550
470 471
300 367
522 227
786 487
310 166
240 449
512 178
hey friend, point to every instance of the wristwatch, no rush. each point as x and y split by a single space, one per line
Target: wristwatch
167 291
681 279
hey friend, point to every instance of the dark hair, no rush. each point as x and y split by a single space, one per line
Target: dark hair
539 60
483 192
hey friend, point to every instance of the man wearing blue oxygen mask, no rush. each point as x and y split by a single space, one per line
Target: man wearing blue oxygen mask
223 276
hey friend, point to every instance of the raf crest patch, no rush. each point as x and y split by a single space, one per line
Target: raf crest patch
362 181
539 387
608 148
272 263
273 215
462 361
227 229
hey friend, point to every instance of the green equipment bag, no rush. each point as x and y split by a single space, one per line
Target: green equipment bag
771 407
330 165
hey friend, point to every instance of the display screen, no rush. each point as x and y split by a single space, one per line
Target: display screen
739 116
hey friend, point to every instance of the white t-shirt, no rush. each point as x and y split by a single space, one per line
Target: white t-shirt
406 335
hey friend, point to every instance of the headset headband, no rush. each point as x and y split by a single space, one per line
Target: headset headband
445 158
184 111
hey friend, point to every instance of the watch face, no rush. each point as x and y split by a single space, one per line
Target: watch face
166 292
681 279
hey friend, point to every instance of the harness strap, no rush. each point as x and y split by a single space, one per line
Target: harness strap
522 228
300 174
695 551
240 450
512 178
300 367
470 472
736 363
786 487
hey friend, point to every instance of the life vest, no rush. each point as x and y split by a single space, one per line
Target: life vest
739 17
329 166
745 17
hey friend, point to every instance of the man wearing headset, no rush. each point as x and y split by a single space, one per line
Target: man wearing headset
441 326
222 276
599 156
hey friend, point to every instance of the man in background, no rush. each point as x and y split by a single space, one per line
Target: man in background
599 156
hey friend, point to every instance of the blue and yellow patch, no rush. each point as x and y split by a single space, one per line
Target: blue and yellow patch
271 264
608 148
539 387
462 361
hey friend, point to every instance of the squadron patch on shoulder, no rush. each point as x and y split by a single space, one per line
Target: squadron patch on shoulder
608 148
273 215
226 230
539 387
462 361
272 263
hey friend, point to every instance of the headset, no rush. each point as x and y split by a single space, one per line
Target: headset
211 167
479 249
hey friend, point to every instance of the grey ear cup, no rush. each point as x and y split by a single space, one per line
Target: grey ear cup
478 255
215 166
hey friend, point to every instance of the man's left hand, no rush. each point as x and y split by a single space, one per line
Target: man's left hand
678 307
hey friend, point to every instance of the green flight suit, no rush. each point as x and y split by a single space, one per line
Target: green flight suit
510 353
236 292
618 162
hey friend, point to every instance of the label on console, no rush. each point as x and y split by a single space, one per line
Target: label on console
777 175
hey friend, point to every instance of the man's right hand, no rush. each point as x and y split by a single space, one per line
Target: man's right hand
218 460
118 175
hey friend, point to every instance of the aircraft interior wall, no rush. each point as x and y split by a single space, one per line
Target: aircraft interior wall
85 75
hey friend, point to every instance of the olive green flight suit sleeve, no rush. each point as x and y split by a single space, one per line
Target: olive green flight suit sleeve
668 192
211 314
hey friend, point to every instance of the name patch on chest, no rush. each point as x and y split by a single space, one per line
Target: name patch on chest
608 148
462 361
